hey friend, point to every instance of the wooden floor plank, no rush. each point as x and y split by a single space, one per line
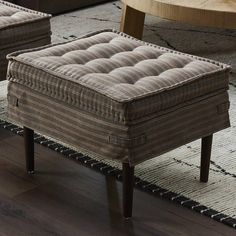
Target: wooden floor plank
65 198
12 185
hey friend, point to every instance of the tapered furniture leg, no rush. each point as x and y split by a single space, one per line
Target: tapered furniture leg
29 149
128 186
205 158
132 22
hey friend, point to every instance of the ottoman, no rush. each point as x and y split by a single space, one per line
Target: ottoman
116 97
21 28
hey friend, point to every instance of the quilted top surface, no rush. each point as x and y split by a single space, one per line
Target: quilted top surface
110 66
11 14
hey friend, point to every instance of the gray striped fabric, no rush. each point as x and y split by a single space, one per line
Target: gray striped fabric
44 40
21 28
101 137
117 97
116 77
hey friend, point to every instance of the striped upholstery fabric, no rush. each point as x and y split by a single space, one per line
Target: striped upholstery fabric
117 97
21 28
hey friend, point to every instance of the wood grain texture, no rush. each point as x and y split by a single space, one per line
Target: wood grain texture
214 13
132 22
65 198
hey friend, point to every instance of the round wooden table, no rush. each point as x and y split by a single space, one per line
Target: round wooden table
213 13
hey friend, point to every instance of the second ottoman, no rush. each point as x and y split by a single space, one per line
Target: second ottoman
21 28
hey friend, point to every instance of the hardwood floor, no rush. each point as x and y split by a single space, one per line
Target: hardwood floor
65 198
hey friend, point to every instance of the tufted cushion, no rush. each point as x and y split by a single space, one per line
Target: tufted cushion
18 23
20 28
115 97
115 76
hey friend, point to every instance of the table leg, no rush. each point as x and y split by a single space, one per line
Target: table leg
132 22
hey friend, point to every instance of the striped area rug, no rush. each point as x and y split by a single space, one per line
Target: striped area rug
174 175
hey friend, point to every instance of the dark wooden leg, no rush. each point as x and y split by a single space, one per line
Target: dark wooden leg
128 186
29 149
132 22
205 158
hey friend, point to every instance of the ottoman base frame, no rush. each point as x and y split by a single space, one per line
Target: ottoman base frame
128 171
